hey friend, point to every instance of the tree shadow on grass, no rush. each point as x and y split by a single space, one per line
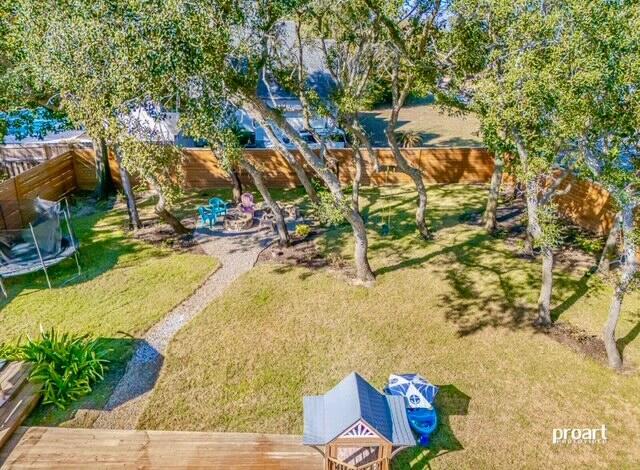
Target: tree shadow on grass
102 246
580 288
450 401
412 262
628 338
485 291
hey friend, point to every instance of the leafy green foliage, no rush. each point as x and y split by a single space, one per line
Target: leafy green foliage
302 230
552 231
327 211
66 365
409 138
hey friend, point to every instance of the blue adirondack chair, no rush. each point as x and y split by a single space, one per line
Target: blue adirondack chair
207 215
218 206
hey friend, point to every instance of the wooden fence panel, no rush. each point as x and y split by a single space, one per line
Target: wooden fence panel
201 170
10 217
50 180
84 167
586 204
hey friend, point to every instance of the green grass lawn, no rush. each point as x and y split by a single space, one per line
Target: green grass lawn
126 286
456 310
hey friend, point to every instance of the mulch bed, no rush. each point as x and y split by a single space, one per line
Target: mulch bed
301 252
158 233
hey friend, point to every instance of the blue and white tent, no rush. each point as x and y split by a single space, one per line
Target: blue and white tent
417 390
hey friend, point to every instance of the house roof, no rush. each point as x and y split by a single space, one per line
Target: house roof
319 77
49 138
327 416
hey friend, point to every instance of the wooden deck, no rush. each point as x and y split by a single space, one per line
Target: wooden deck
67 448
19 397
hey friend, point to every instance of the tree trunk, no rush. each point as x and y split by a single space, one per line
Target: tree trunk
416 176
363 270
132 208
358 163
161 209
104 185
544 301
283 233
359 133
291 160
489 218
533 225
629 268
610 246
236 185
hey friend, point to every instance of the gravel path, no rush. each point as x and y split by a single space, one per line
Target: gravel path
237 254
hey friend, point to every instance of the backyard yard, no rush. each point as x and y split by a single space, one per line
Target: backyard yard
456 310
126 286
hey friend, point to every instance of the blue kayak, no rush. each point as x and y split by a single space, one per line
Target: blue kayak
424 422
420 396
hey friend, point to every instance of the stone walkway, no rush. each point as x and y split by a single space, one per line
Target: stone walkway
237 253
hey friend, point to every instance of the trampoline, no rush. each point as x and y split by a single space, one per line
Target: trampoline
40 245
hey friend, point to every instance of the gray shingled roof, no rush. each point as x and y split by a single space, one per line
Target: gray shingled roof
319 77
327 416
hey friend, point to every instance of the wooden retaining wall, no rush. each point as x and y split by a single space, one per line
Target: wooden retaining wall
586 204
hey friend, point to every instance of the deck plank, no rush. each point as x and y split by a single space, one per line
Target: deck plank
104 448
23 397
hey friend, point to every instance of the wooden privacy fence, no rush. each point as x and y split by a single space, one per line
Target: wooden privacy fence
18 158
50 180
440 165
586 204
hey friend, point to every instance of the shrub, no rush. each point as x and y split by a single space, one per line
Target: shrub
409 138
327 211
66 365
302 230
318 184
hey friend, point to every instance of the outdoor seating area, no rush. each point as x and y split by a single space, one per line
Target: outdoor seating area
244 215
234 219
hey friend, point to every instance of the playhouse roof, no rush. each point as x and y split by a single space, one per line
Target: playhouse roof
327 416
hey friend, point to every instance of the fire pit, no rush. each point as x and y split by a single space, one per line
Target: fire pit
237 221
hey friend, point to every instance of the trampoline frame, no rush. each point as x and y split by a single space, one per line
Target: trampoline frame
73 249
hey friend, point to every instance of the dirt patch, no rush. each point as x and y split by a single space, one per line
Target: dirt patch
157 233
305 253
301 252
577 254
577 339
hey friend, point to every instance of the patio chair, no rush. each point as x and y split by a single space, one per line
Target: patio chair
207 215
246 203
218 206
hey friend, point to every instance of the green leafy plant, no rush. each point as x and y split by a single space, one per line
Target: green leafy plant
318 185
9 352
409 139
327 211
302 230
66 365
552 230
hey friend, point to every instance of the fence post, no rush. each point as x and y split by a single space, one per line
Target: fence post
18 202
